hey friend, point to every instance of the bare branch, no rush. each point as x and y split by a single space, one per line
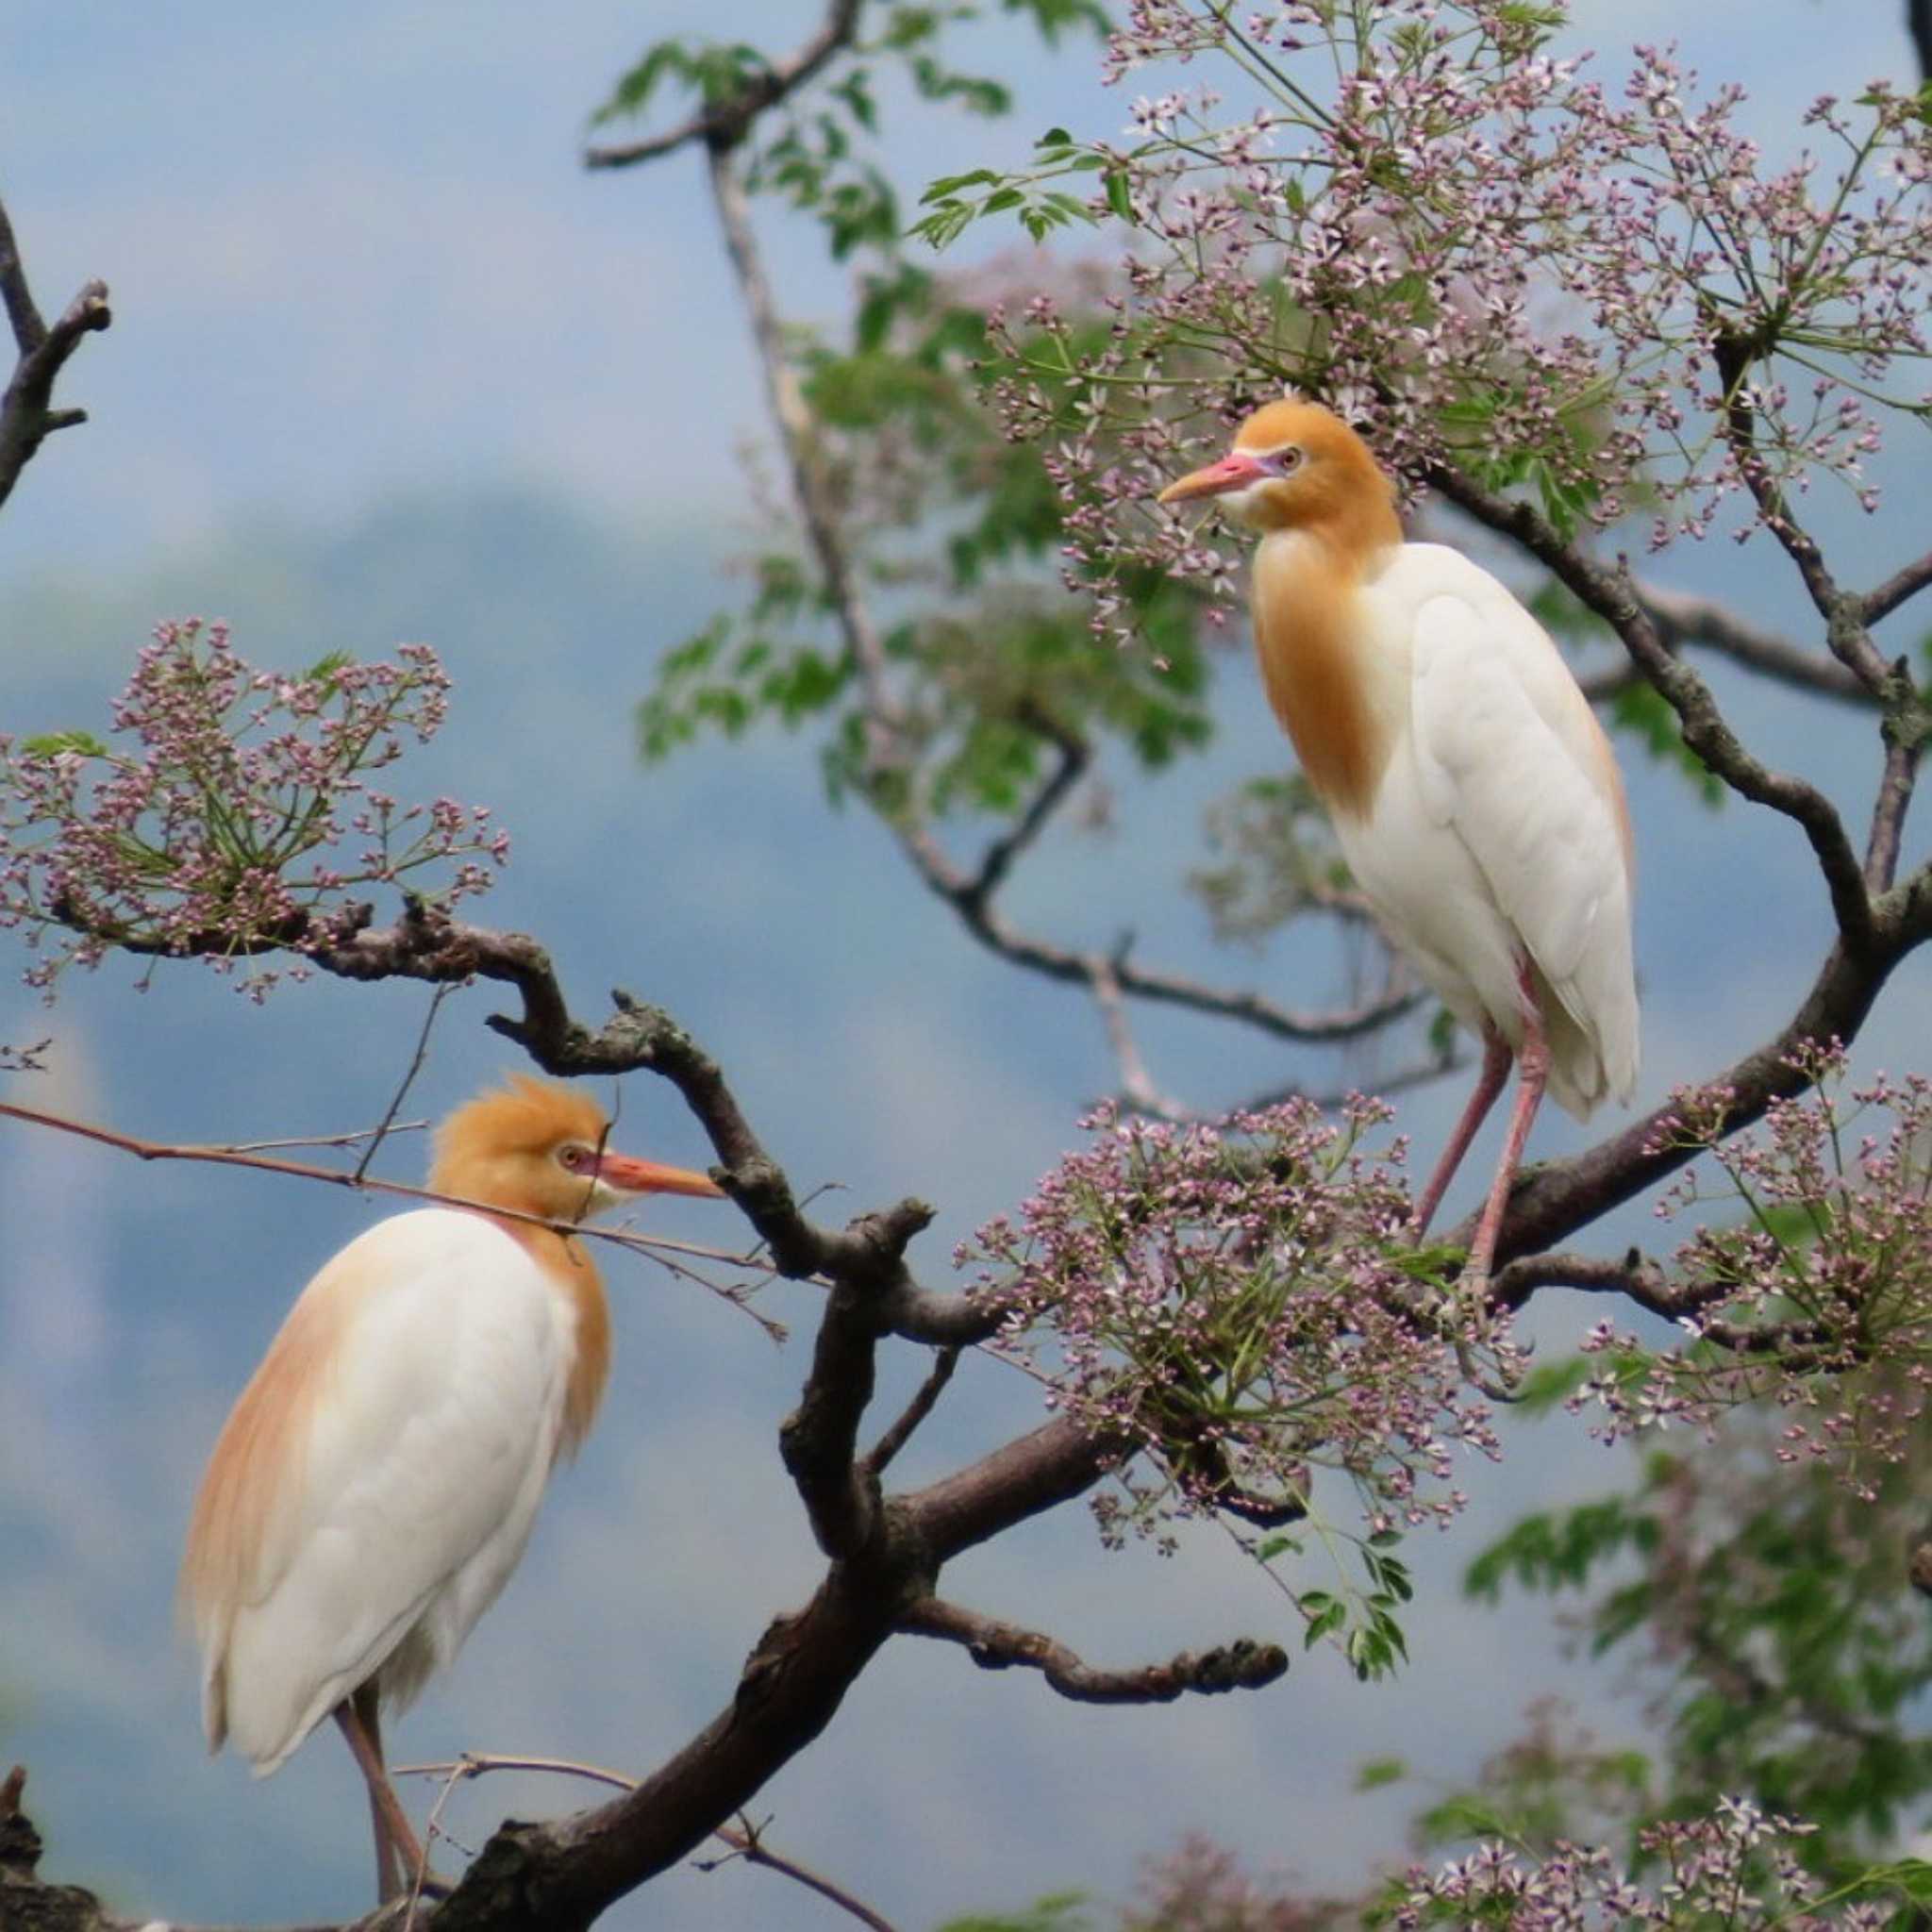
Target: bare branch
808 480
415 1067
1073 757
924 1396
992 930
1634 1275
1137 1085
28 416
1682 618
1244 1665
1902 584
1903 749
248 1155
724 124
1048 1466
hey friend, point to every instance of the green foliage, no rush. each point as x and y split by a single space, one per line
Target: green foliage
1791 1652
716 71
1061 1911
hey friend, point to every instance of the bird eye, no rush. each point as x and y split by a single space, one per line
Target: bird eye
573 1157
1287 461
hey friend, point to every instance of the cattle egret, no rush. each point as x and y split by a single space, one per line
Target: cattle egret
375 1484
1473 794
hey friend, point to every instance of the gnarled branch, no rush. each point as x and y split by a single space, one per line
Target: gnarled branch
1244 1665
28 416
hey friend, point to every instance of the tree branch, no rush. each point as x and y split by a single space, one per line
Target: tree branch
969 895
810 485
1682 618
925 1397
1902 584
724 124
27 416
744 1839
1244 1665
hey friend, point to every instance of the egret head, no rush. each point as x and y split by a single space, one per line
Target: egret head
1296 465
538 1146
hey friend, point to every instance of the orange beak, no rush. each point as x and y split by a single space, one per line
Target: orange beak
631 1177
1235 470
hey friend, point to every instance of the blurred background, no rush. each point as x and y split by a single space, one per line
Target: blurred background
387 364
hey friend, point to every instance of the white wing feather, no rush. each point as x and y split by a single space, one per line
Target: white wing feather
1508 757
413 1492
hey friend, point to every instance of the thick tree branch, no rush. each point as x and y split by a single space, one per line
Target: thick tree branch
1244 1665
746 1840
724 124
27 416
1042 1469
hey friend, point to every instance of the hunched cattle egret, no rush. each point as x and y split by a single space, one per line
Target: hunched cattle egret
1473 794
375 1484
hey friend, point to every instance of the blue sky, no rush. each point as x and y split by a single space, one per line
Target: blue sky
386 363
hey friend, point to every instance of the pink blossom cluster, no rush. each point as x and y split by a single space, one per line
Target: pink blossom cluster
1815 1291
1417 212
1244 1301
234 817
1738 1867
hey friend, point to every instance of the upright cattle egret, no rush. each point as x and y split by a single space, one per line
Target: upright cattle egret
1473 793
375 1484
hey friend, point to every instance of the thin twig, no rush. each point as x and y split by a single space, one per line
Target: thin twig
810 488
354 1138
1896 589
1903 750
1137 1083
229 1157
889 1445
416 1059
747 1843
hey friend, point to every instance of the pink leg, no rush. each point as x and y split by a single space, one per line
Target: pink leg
1489 1084
1533 1063
398 1855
